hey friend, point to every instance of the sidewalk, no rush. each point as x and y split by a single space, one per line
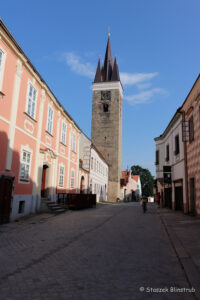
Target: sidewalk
184 234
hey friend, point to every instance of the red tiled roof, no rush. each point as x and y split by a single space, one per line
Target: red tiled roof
125 174
135 177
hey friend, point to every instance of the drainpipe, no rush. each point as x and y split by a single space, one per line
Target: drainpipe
89 168
186 169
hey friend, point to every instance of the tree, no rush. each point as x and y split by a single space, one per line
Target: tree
147 180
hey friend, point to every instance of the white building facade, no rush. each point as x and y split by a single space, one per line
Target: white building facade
170 170
98 177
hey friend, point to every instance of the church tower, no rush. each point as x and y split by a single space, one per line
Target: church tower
107 119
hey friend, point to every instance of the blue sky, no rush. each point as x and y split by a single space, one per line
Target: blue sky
157 44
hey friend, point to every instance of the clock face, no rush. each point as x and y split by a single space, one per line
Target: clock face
105 95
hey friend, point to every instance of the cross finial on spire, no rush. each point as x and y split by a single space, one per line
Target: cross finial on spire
109 31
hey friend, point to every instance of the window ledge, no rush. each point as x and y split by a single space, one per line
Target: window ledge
29 117
63 144
49 133
1 95
24 181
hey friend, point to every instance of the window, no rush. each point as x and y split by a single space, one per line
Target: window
167 153
177 150
199 114
61 175
192 204
157 157
95 165
191 129
72 178
21 207
31 101
105 95
1 59
105 107
50 120
25 166
2 64
74 142
63 133
92 163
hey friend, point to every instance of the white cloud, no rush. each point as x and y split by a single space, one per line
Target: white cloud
144 86
146 96
132 79
74 62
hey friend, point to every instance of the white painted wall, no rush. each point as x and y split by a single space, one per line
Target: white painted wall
175 161
98 177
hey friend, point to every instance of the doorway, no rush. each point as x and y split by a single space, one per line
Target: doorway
168 197
82 185
6 188
192 197
43 184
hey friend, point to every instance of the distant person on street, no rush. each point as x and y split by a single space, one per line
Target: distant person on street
158 199
144 203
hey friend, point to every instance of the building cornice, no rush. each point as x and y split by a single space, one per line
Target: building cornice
8 39
110 85
174 119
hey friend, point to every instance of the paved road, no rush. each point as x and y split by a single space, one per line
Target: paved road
110 252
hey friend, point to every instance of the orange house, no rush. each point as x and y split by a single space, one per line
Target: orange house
39 141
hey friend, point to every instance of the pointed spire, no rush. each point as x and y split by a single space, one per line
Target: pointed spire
97 77
109 71
108 62
115 73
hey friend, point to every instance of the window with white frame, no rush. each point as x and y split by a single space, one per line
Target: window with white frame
1 59
31 101
92 163
25 166
74 142
72 178
2 65
61 175
63 133
50 120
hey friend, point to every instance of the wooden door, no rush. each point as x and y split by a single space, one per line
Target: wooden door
43 188
192 196
178 198
6 188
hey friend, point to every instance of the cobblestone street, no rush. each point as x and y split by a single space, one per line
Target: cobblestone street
109 252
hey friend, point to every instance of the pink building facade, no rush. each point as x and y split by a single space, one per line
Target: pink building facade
191 118
39 141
